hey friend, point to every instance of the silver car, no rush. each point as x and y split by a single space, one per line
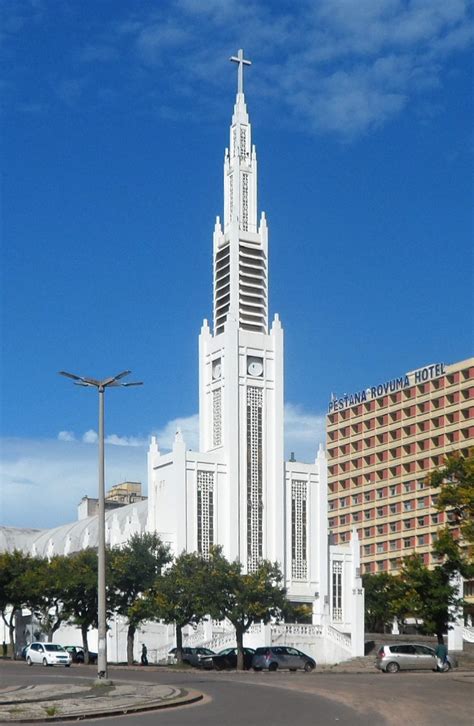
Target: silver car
274 657
410 656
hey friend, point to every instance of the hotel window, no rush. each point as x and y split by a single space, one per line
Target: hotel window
380 529
355 517
367 549
342 519
407 506
355 499
421 521
343 502
407 487
421 539
380 547
393 527
380 493
421 484
393 509
407 542
367 532
393 544
393 491
367 496
422 503
380 511
368 514
408 524
435 519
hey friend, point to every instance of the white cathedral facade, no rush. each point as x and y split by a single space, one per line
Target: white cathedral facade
238 491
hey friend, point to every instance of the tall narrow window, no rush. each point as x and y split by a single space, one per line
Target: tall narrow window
254 478
245 202
217 417
299 564
337 591
205 511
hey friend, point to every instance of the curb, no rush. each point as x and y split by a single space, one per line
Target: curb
191 696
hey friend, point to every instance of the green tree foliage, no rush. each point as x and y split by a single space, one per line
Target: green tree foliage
80 601
455 482
14 592
45 582
427 595
244 598
181 595
134 570
382 595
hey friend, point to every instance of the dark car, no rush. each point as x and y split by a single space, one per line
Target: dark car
227 658
191 656
77 654
273 658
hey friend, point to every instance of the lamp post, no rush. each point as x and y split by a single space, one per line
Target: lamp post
101 610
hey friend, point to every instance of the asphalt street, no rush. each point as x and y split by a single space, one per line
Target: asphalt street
284 699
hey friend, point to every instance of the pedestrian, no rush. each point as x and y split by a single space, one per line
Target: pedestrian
144 655
441 656
4 649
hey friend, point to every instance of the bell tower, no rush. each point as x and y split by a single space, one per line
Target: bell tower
241 360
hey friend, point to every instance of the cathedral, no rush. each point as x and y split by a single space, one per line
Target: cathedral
238 491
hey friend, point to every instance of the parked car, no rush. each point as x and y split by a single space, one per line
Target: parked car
23 651
227 658
409 656
191 656
77 654
48 654
273 658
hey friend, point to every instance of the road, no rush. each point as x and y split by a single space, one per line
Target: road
284 699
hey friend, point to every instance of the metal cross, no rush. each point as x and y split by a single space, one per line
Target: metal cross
239 58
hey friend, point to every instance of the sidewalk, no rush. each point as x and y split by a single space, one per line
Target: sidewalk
55 702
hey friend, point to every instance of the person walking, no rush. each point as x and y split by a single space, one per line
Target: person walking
144 655
441 656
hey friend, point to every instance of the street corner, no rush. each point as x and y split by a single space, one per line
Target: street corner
62 702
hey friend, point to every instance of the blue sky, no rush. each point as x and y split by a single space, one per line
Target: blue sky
115 119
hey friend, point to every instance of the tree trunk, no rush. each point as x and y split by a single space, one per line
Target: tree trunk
11 628
239 636
440 638
130 643
85 644
179 644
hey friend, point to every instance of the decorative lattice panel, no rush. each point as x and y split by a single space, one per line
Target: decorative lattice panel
231 195
205 511
299 561
217 417
243 142
337 591
254 478
245 202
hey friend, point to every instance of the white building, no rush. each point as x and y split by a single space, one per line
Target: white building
238 491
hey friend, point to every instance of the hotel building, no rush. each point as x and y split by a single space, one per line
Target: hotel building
381 444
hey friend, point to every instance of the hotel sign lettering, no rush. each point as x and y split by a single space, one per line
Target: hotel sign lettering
396 384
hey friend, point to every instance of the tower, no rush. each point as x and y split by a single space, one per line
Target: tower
241 361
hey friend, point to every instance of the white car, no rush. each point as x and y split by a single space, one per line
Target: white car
48 654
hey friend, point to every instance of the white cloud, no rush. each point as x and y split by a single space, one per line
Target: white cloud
66 436
43 480
337 65
90 437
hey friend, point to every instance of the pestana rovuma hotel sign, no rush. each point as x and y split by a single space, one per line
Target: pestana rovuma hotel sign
396 384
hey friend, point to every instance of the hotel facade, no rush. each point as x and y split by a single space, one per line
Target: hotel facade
381 444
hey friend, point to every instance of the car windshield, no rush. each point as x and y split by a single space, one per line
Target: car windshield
53 647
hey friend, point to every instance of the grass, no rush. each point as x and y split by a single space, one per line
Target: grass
51 710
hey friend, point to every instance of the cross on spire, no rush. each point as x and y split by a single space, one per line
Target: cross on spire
239 58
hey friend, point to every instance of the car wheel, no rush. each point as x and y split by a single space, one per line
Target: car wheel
308 666
257 669
67 665
273 667
446 667
392 667
45 662
29 661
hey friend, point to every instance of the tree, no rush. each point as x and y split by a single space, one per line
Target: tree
45 582
80 601
244 598
181 596
13 589
455 542
382 593
134 570
427 594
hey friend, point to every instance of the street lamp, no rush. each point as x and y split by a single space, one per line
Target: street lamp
101 612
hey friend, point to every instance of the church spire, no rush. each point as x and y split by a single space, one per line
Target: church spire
240 245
